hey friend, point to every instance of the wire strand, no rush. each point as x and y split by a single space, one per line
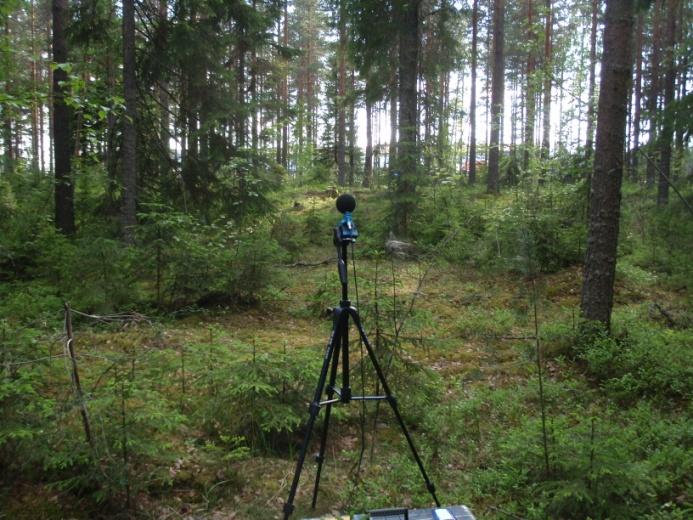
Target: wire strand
30 361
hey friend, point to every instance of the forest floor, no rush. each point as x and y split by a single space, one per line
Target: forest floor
465 346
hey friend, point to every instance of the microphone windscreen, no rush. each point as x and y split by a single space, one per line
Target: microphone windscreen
346 202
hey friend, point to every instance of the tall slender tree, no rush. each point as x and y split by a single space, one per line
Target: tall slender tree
341 94
654 89
62 128
637 96
530 90
129 150
605 199
498 76
548 76
7 112
472 100
394 112
591 101
407 145
669 93
35 105
285 94
368 157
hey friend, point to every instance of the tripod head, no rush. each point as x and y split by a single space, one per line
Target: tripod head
345 232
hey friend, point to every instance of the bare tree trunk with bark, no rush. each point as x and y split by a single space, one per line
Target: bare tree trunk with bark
492 181
654 89
637 93
530 95
341 93
605 199
285 95
368 161
667 136
407 146
394 112
589 144
548 75
62 128
129 151
472 102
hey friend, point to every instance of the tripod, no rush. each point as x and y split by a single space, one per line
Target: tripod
344 234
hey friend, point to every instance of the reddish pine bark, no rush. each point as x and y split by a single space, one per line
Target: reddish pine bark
605 199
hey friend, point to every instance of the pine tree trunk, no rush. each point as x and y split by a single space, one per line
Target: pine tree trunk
530 97
682 82
111 138
341 93
589 145
515 115
34 91
407 147
62 131
637 91
368 162
472 102
285 95
277 96
492 181
654 88
162 95
605 199
42 152
8 143
487 88
240 92
253 99
561 131
352 128
392 147
428 123
669 93
548 75
129 152
443 117
278 99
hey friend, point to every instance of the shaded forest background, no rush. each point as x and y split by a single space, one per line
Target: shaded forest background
168 168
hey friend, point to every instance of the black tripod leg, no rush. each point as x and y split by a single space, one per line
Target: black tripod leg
341 325
393 403
313 410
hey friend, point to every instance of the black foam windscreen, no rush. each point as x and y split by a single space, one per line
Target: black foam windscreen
346 202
